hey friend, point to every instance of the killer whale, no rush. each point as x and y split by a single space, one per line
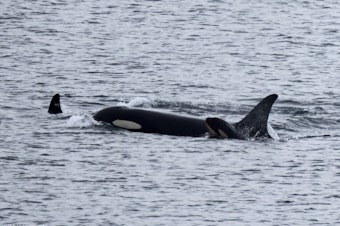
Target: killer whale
253 125
54 107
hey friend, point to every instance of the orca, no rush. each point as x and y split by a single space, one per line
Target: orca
149 121
54 107
253 125
219 128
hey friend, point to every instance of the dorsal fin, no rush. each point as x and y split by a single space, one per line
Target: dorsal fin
55 105
255 122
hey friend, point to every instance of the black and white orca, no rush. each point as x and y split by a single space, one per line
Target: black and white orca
253 125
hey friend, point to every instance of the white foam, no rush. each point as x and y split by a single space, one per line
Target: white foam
137 102
81 121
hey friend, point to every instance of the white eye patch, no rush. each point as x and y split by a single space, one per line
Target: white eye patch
223 135
125 124
211 132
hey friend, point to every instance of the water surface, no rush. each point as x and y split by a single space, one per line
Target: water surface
201 58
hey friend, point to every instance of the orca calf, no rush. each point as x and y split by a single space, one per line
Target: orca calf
253 125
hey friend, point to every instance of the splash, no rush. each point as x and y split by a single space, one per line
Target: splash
81 121
138 102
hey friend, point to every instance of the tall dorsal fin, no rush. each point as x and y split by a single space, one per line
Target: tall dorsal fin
55 105
255 122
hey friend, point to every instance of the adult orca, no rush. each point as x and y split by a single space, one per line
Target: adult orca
253 125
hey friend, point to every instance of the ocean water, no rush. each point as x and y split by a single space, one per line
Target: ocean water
199 58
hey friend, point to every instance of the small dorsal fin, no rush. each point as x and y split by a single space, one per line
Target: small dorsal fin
255 122
55 105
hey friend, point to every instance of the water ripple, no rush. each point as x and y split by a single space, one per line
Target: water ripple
202 58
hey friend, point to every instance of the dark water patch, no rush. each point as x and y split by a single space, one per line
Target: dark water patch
316 136
28 163
82 181
285 202
113 180
38 178
247 171
88 162
10 18
31 202
300 110
55 163
10 209
336 196
319 122
9 158
213 202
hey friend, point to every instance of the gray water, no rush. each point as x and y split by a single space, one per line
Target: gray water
200 58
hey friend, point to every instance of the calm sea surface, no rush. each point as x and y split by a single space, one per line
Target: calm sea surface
200 58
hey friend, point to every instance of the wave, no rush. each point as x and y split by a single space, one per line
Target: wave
137 102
